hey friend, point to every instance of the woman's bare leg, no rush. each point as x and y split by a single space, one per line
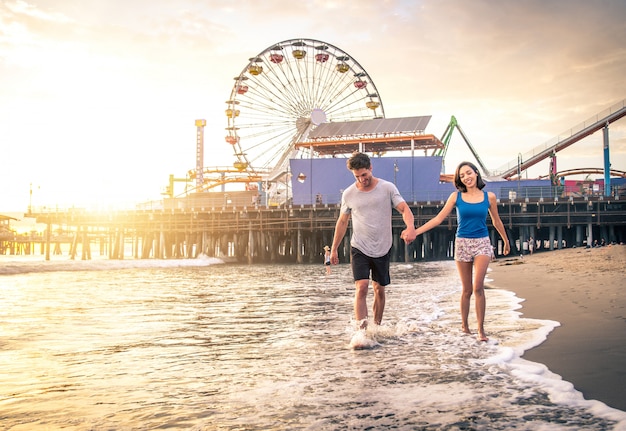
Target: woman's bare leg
481 263
465 272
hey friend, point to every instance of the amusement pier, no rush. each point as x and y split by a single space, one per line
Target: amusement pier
297 234
295 113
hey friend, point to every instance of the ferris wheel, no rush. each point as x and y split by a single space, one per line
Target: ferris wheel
287 90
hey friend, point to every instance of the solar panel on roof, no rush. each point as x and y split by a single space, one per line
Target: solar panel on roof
375 126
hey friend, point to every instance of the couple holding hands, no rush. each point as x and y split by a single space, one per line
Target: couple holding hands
370 201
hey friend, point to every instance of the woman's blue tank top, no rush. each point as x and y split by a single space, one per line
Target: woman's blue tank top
472 218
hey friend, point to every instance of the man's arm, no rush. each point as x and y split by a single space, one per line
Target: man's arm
409 233
340 230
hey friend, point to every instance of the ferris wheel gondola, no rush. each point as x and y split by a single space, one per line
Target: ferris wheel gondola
287 90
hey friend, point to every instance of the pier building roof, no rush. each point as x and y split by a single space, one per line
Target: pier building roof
378 135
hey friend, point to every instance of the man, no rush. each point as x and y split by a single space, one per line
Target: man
370 201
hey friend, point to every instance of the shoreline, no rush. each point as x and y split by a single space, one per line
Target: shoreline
582 289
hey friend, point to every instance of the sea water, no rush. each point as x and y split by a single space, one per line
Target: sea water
202 345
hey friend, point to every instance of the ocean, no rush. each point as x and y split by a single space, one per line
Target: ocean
201 345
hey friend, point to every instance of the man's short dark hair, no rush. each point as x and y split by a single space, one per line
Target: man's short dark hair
359 161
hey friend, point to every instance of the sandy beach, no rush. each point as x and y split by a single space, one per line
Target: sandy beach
583 289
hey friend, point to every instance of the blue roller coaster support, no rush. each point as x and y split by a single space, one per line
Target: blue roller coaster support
607 162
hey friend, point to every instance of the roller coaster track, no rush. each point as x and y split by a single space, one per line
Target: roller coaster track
562 141
587 171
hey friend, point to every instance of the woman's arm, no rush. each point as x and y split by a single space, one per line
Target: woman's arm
439 218
497 223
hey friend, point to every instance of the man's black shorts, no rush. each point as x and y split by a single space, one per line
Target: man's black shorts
363 264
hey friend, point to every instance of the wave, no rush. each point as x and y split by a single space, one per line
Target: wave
14 265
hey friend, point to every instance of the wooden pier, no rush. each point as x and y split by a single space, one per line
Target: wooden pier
298 234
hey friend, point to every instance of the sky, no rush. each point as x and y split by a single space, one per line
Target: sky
98 99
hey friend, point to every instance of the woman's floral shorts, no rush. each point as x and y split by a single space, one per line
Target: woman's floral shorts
466 249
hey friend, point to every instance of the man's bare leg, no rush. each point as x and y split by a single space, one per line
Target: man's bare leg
379 302
360 302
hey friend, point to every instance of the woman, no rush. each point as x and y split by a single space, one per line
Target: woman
472 247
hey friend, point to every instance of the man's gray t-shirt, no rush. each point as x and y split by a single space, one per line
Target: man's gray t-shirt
371 216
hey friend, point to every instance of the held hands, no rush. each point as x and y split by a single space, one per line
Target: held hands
409 234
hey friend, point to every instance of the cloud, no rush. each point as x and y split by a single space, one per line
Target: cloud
20 7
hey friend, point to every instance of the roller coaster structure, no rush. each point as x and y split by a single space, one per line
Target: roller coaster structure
601 121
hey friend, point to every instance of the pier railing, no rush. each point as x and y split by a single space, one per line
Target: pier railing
233 202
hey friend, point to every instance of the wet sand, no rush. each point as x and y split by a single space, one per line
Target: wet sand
584 290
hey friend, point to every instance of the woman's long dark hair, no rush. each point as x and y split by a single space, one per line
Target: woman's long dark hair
457 177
